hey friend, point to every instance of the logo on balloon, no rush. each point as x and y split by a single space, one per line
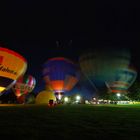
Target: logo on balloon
7 69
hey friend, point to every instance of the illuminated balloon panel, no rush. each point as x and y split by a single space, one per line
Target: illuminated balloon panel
61 74
123 79
100 65
44 96
12 66
24 85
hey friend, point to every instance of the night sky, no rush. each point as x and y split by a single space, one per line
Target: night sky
32 28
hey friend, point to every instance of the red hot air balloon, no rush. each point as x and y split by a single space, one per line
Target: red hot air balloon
61 74
24 85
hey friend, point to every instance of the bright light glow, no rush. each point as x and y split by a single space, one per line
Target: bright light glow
66 99
59 96
78 98
118 94
2 89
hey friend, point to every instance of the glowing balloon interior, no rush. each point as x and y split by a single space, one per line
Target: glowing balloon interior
61 74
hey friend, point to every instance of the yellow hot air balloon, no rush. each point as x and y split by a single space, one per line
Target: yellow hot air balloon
12 66
44 97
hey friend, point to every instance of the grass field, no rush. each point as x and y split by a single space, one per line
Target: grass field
39 122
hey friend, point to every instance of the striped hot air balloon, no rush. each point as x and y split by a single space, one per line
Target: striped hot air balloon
123 79
12 66
61 74
24 85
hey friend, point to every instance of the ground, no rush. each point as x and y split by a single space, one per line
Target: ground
70 122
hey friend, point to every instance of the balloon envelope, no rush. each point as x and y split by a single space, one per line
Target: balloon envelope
99 65
44 96
61 74
12 66
123 79
24 85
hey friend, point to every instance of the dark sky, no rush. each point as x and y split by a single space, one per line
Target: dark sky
33 27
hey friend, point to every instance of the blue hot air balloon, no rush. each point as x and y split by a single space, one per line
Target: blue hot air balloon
61 74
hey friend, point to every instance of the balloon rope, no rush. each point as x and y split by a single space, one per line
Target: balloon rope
93 85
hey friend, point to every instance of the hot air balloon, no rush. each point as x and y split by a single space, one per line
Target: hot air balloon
123 79
12 66
24 85
61 74
44 97
99 65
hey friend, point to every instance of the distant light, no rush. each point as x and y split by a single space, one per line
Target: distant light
78 98
118 94
66 99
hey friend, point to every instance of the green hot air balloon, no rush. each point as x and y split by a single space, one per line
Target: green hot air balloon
123 79
100 65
